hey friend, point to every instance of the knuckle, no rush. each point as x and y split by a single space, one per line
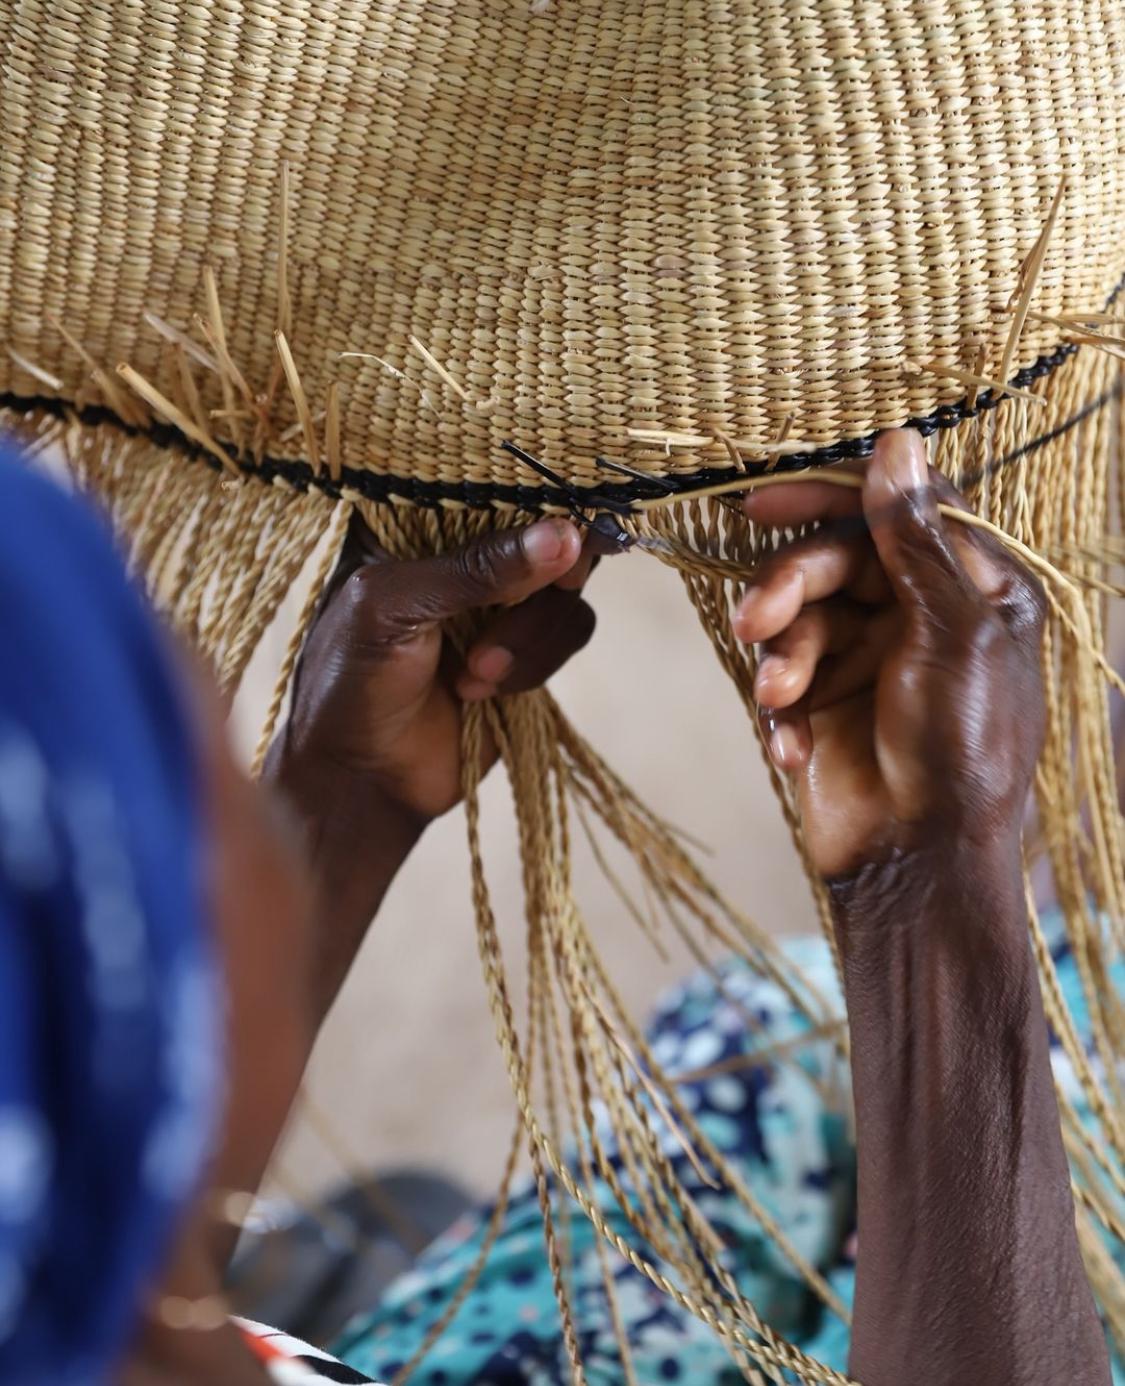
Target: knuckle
995 674
479 568
374 615
903 515
984 636
963 632
779 567
764 569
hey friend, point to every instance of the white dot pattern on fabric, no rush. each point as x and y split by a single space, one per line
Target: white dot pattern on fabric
26 1157
727 1094
699 1050
193 1079
112 922
28 853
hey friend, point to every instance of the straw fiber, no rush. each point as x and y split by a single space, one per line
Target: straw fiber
697 217
266 263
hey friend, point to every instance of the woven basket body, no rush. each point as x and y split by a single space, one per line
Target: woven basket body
697 216
344 252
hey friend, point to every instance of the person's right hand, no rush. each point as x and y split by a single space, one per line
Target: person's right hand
899 679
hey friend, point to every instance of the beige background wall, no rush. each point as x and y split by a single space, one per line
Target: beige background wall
407 1067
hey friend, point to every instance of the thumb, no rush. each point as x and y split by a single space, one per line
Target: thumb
498 569
502 567
901 509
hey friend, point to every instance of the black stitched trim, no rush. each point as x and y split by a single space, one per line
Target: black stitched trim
617 496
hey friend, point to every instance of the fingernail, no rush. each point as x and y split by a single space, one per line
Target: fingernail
904 456
784 747
772 669
785 744
475 690
543 541
492 665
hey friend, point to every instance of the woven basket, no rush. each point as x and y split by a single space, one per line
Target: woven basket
698 219
264 262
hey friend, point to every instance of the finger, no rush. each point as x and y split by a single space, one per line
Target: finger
996 572
901 507
843 674
526 644
592 550
805 571
500 568
985 560
802 503
790 660
787 736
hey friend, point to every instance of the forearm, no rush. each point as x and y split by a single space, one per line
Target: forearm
969 1268
355 840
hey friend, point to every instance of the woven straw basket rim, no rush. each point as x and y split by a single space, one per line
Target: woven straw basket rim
682 241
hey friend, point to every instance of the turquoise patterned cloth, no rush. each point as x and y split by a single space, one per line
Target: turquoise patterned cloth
781 1122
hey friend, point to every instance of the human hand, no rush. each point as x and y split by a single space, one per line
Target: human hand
900 686
899 680
379 690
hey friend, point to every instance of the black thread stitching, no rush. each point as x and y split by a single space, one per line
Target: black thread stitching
378 486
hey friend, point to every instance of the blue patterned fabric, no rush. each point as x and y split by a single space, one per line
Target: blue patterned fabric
781 1123
108 1016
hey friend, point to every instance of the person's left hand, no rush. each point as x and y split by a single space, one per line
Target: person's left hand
379 690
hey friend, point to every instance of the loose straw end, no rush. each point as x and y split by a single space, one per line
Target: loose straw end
441 372
300 399
175 416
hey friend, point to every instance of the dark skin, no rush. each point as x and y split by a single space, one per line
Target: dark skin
900 687
372 752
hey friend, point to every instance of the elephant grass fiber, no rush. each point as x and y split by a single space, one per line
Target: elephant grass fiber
266 263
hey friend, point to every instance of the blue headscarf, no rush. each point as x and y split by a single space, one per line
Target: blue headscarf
108 1017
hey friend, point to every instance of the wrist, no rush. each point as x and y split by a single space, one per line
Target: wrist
938 973
966 896
963 1190
941 990
355 837
324 789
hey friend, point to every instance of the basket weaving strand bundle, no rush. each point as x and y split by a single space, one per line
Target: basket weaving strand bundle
452 264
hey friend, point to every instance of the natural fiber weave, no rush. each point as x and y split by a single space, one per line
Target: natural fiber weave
693 217
264 261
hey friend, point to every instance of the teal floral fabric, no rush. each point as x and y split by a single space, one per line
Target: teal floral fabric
782 1121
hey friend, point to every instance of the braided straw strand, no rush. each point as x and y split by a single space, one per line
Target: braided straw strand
334 541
